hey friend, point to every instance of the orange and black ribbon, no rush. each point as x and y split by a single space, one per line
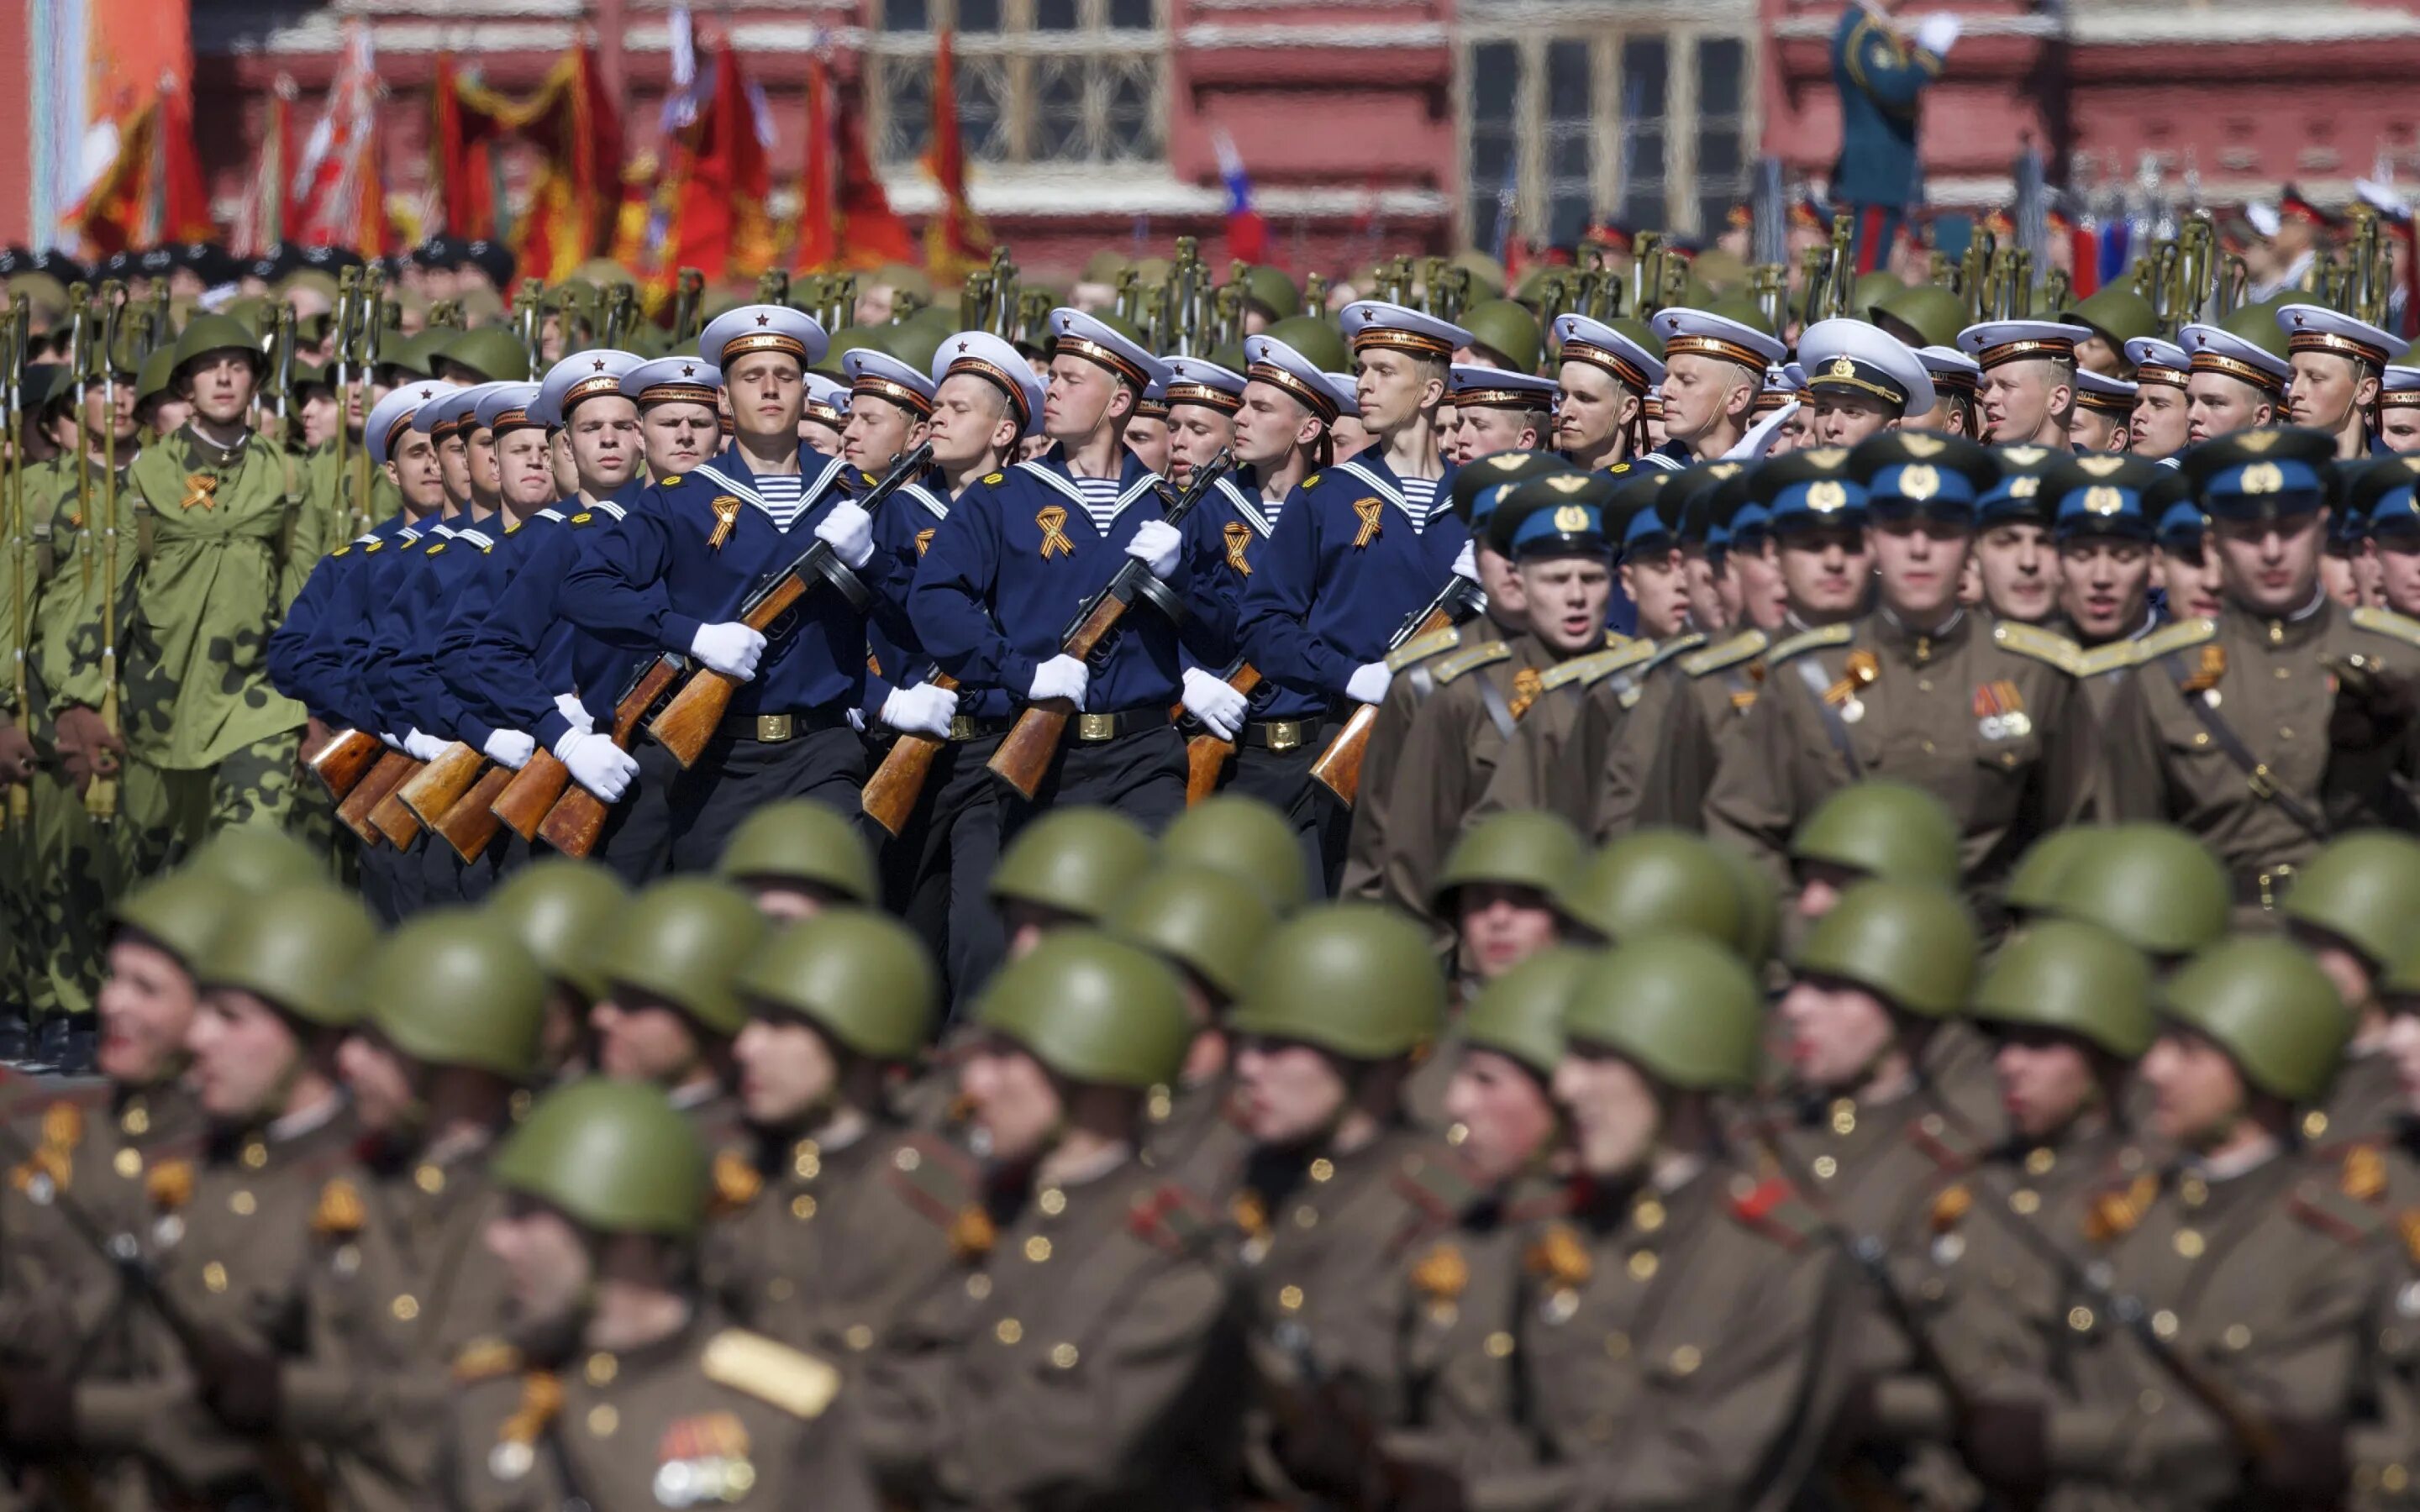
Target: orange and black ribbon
1368 510
200 488
1239 535
1053 520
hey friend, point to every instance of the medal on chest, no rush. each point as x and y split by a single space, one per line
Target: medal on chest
703 1459
200 488
2000 711
1858 674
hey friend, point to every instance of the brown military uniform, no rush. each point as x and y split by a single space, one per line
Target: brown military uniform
841 1238
1675 1347
2267 1280
1090 1363
1873 1166
2367 1102
1197 1138
1714 687
2384 1451
711 1415
1985 714
2264 686
1553 758
2104 667
1368 844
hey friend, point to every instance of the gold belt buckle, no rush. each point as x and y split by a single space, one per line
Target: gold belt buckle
962 727
1097 727
1285 735
2272 883
774 728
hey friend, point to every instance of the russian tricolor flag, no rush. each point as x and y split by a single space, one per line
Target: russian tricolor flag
1248 235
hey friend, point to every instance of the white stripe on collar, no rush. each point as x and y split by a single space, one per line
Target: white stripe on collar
1074 494
476 537
1387 490
934 503
808 494
550 513
1248 507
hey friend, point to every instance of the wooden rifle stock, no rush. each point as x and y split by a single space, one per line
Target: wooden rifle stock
439 785
530 796
1205 754
344 761
375 788
578 818
391 818
890 795
471 822
1339 767
1027 750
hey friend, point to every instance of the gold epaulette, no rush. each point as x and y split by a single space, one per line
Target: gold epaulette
1309 483
485 1359
2176 637
2387 622
2114 656
1830 634
1463 661
2047 647
791 1380
1420 648
1597 666
1680 645
1738 649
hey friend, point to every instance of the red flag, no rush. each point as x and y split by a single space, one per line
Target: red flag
955 238
718 179
338 199
579 138
465 206
184 195
845 217
818 240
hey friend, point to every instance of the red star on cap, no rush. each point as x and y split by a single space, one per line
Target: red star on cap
600 364
962 346
426 393
689 369
764 319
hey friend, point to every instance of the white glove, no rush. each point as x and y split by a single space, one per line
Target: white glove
597 763
574 712
857 719
1061 677
1465 562
1368 684
850 532
922 710
1219 706
1938 33
1157 545
730 648
393 743
422 748
510 748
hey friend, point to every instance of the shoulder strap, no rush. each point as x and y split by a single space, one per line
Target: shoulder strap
2114 656
2174 637
1680 645
1584 671
791 1380
2042 645
1435 642
1452 668
1829 635
1738 649
2387 622
2257 776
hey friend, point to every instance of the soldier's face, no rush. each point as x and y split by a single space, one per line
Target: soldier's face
1566 598
820 434
1147 438
558 455
414 470
2327 390
1394 388
787 1071
2398 574
2336 576
1612 1111
971 421
605 443
1502 925
2216 405
1196 433
102 418
220 385
2102 586
1764 593
2162 415
146 1006
2045 1080
2271 567
546 1260
320 417
2019 399
1846 419
1271 426
1015 1100
1837 1033
767 391
1701 392
878 433
1501 581
2020 571
2095 355
1710 607
454 467
1505 1113
1486 431
2090 430
1658 583
2192 579
524 469
243 1050
1595 414
1291 1094
2348 970
2197 1091
2399 426
1825 571
1918 562
643 1039
2402 1042
1351 437
487 478
383 1085
1079 398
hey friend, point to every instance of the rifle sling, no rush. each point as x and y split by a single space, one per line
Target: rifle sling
1811 672
2256 775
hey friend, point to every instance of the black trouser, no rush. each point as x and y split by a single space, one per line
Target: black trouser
637 840
1140 775
937 870
389 882
736 777
1281 780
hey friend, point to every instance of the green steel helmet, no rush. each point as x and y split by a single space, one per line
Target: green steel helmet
613 1157
800 840
1243 836
2074 978
1355 980
209 333
872 338
1872 289
1092 1008
2362 888
2116 315
1761 925
2257 324
1506 330
1653 880
182 912
2402 979
1077 861
2270 1007
561 909
1318 342
1934 314
862 978
1533 848
1209 922
682 939
916 343
1884 829
256 857
2032 885
491 351
1681 1008
297 950
1913 946
451 988
157 377
416 354
1520 1014
1270 292
2154 886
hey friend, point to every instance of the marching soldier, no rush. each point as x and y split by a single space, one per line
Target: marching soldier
1714 369
2028 379
2344 908
2104 564
2012 567
2268 729
670 1011
2399 410
2337 362
1875 830
1604 375
2238 375
1985 713
2105 408
2114 318
2382 490
2152 885
562 911
1957 388
2158 428
1653 882
1861 382
1071 866
619 1385
797 858
1242 838
1499 411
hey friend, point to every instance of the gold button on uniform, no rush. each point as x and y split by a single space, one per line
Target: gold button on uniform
1642 1265
1008 1331
1323 1169
2193 1191
405 1307
1037 1249
1052 1201
2237 1336
603 1420
2164 1323
602 1368
907 1160
2024 1202
215 1276
1290 1298
2315 1123
137 1120
1686 1360
2080 1319
1825 1168
1499 1344
1844 1118
255 1154
802 1207
1306 1216
857 1336
128 1164
2039 1162
2188 1243
430 1179
807 1161
978 1285
1064 1356
1649 1214
244 1204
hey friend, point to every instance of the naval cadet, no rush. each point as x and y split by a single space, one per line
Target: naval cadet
2028 378
2103 409
889 410
1499 410
2337 362
1860 382
1604 374
1957 388
1203 399
2398 408
1714 369
2237 376
2156 430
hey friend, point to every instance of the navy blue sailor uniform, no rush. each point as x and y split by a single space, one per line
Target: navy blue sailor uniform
307 656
